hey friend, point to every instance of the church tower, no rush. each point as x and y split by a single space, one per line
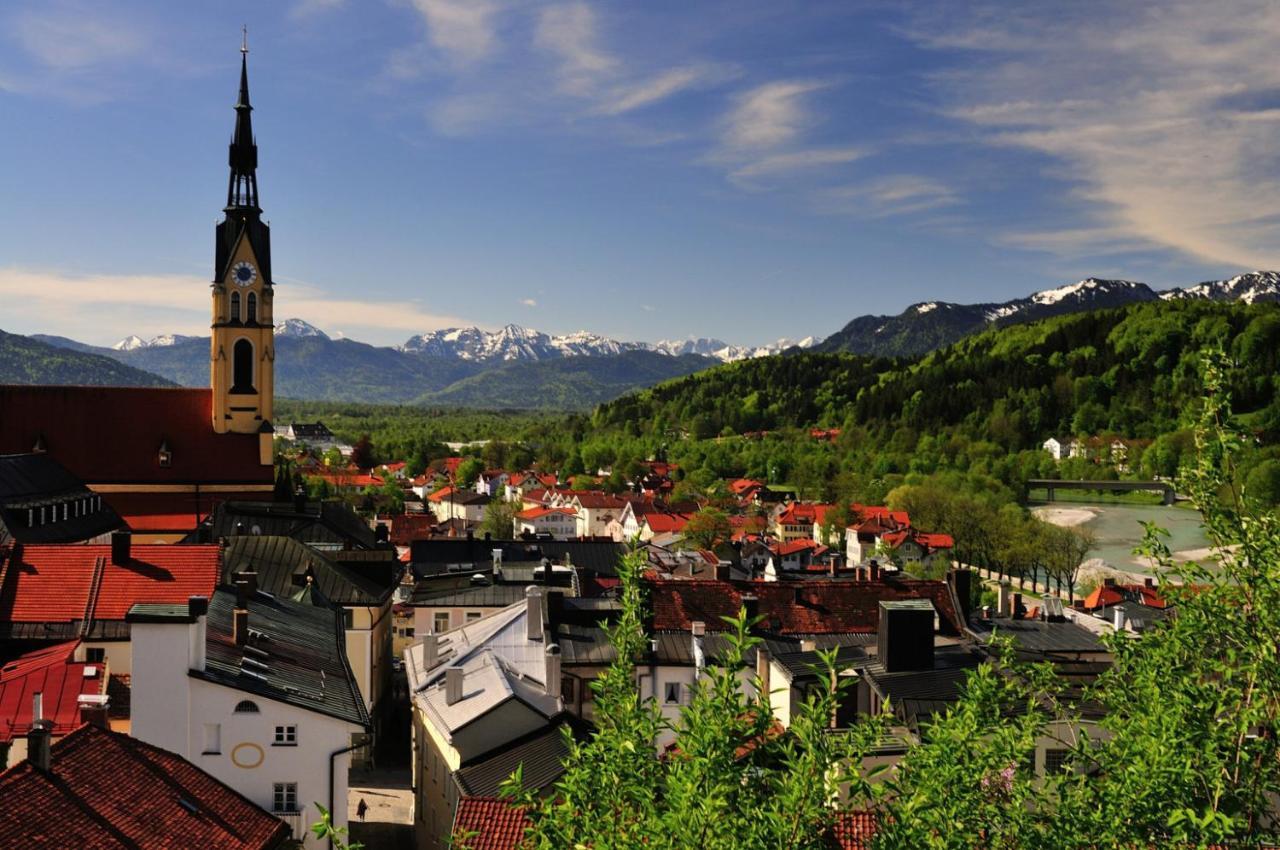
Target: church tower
242 351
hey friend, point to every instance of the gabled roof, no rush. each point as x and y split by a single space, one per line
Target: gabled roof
59 679
489 680
801 513
295 653
55 583
662 523
29 482
327 523
540 512
283 563
490 823
1106 595
113 434
816 606
106 790
540 755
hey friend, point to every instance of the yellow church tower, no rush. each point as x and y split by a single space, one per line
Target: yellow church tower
242 350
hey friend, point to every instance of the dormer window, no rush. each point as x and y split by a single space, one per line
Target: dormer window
165 455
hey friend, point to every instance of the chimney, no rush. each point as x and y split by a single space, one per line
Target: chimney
93 709
121 544
1002 600
875 570
751 603
198 611
240 622
554 608
1017 610
698 629
962 583
533 612
763 670
552 656
381 534
831 567
249 579
723 572
452 685
904 639
497 560
1109 582
546 571
1148 582
300 500
1119 619
38 743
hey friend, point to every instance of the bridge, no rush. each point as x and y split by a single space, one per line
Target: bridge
1051 484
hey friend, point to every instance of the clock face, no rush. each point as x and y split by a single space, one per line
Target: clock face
244 273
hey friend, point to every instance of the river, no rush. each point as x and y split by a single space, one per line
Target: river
1118 528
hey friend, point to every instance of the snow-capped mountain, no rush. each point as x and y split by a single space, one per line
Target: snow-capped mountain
298 329
725 352
134 342
1249 288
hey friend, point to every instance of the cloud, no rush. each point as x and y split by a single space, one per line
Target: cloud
103 308
895 194
568 31
465 30
769 115
308 8
67 37
1161 119
782 163
648 92
528 302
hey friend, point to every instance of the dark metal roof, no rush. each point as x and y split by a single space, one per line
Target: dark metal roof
437 555
282 565
32 481
295 654
478 596
801 664
1039 636
918 694
583 645
323 524
540 754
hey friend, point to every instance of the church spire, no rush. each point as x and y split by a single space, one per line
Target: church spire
242 190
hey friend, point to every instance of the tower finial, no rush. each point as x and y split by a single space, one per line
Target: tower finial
244 38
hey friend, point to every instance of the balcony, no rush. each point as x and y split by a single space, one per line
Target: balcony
297 826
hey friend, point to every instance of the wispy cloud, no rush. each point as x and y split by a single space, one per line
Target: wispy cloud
101 309
310 8
529 302
746 175
769 115
1162 118
464 30
895 194
568 31
66 37
625 98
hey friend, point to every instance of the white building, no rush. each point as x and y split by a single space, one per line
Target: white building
557 523
1054 447
256 692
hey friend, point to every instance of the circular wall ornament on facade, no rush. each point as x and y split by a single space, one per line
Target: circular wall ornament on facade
247 755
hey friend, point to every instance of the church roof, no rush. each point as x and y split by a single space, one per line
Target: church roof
107 435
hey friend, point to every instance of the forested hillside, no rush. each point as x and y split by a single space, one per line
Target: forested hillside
29 361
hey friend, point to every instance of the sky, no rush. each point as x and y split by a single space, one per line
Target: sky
743 170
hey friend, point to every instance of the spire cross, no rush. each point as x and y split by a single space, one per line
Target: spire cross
244 40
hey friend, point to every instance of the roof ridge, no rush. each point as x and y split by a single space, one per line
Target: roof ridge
95 586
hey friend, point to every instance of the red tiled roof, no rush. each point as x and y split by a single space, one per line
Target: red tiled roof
814 606
1105 595
853 830
406 528
872 518
743 485
800 513
488 823
660 523
54 583
113 434
595 499
537 513
106 790
784 549
52 673
348 478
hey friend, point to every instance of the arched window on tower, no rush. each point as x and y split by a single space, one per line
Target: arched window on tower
252 305
235 306
242 371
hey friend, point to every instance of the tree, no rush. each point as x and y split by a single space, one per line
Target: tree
706 529
1263 483
499 519
468 471
362 453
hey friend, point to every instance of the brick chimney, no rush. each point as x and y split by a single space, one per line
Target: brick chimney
121 546
93 709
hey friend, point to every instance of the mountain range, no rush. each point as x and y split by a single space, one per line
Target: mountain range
521 367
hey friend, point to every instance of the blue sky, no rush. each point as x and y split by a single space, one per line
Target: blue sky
745 170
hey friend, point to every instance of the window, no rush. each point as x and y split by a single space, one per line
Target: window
284 797
235 306
567 684
242 368
246 706
286 736
252 305
472 616
95 655
408 631
212 739
1055 761
671 693
441 622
